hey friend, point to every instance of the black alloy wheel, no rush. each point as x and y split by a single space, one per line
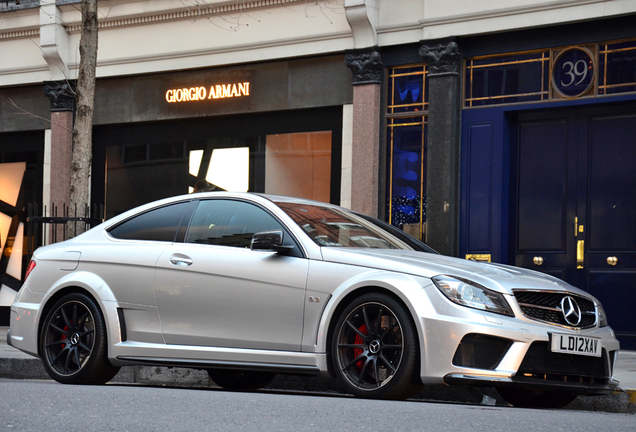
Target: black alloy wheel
525 398
375 349
240 380
73 342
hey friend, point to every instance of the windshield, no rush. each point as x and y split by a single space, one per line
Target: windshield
337 227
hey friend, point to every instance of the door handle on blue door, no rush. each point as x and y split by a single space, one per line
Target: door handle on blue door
182 261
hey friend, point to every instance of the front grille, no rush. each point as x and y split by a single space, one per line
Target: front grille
540 362
546 306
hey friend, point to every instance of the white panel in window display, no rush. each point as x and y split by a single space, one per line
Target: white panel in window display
10 181
195 161
7 295
230 169
5 225
14 268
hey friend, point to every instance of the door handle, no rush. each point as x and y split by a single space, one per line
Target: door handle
580 244
580 254
181 261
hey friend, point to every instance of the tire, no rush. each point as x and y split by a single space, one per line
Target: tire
375 350
73 342
524 398
238 380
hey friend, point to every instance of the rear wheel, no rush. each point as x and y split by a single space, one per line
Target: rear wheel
524 398
73 342
237 380
375 349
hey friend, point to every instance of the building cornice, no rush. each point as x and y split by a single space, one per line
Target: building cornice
226 49
20 34
487 15
201 11
504 12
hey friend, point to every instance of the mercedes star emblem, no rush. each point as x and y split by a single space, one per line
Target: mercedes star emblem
571 311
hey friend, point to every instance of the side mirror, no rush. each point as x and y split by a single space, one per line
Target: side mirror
269 241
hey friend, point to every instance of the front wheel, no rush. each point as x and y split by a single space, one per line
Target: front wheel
524 398
375 349
73 342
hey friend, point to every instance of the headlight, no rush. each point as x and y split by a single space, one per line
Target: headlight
602 316
471 294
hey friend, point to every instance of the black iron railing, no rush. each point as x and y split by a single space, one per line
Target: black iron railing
47 225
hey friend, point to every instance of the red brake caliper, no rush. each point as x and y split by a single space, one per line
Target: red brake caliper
359 341
64 336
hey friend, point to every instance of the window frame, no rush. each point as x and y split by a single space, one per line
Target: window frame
297 251
153 209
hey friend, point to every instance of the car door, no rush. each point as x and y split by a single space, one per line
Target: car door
213 290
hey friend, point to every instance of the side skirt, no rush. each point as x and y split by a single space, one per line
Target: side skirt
210 364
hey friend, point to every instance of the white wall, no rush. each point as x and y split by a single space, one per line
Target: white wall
145 36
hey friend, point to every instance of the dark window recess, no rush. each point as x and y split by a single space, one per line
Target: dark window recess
617 68
407 117
135 153
163 151
231 223
153 152
481 351
497 80
540 362
158 225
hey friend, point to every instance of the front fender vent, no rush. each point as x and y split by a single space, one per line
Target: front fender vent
481 351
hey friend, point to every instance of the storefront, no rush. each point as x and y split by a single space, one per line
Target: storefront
273 127
494 132
548 144
21 161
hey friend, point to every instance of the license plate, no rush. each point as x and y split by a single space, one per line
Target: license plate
573 344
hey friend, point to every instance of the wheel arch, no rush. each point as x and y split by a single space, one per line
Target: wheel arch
345 300
94 288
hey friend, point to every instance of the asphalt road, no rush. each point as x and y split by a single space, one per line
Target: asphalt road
48 406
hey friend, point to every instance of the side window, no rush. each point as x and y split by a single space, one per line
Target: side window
160 224
229 223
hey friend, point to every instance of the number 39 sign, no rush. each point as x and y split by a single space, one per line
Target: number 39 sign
573 72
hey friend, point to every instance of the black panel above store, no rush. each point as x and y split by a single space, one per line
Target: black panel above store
549 36
251 88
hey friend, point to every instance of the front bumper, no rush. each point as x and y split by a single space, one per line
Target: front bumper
466 346
534 383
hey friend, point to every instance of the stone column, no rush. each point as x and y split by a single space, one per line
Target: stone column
443 143
62 98
366 67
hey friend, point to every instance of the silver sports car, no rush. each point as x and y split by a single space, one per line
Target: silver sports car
247 286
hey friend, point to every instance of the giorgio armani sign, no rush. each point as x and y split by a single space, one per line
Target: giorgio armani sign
201 93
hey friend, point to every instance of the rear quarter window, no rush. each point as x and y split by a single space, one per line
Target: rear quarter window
160 224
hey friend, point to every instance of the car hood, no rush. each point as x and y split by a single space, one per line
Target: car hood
499 277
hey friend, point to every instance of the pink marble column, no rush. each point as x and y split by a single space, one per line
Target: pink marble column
62 97
61 152
366 148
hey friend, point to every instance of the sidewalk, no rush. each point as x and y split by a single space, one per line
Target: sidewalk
18 365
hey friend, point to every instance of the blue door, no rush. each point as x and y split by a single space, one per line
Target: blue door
575 203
